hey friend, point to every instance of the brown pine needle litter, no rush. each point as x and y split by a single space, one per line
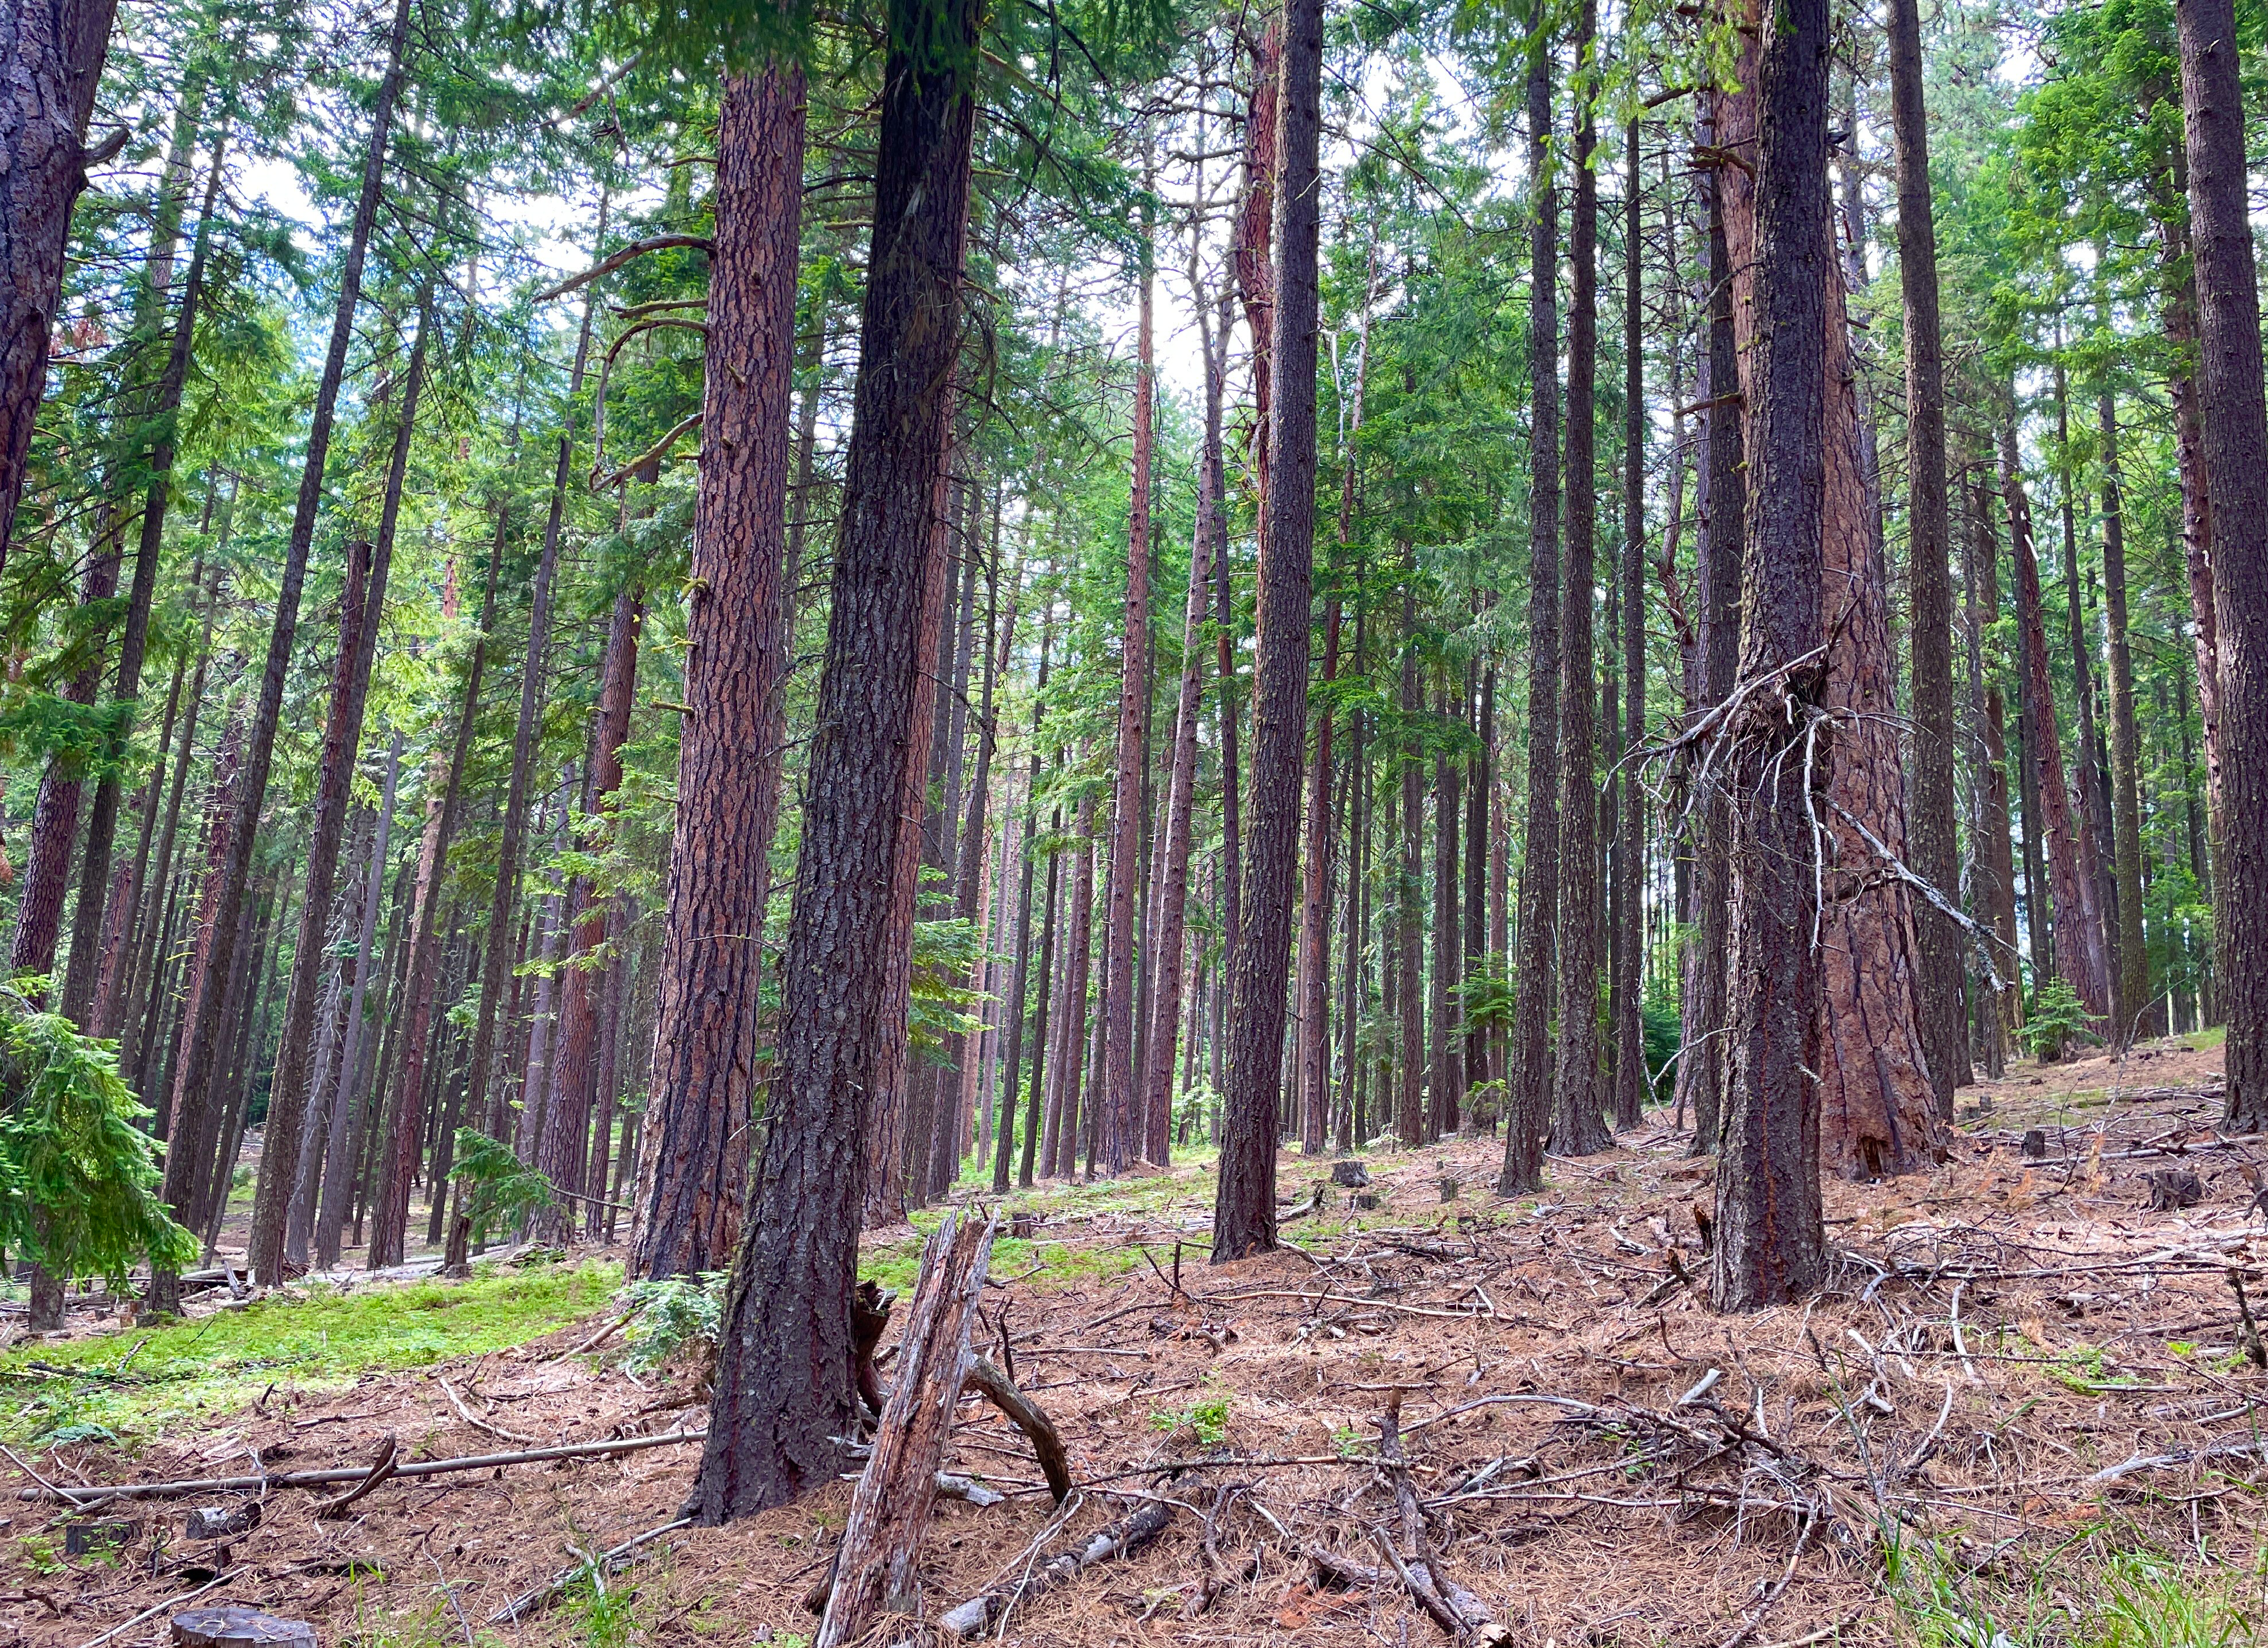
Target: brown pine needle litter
2025 1397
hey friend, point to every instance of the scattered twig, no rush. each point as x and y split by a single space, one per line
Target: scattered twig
511 1611
479 1424
380 1468
151 1613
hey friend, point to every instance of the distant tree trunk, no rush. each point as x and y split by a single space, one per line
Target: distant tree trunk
1768 1245
2136 1009
1717 577
1123 1132
360 609
1576 1128
325 1156
2090 788
1409 885
190 1136
1208 539
1932 850
1011 1086
1996 867
1630 1024
194 1086
1528 1083
785 1374
81 993
2079 951
1312 1035
1446 1051
1071 1052
567 1123
2235 424
1244 1213
53 54
2181 325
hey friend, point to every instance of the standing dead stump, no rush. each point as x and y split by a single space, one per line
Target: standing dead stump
240 1627
881 1541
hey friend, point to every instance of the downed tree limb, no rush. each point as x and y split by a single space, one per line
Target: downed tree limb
985 1377
465 1412
332 1478
380 1468
511 1611
881 1540
1457 1611
1122 1538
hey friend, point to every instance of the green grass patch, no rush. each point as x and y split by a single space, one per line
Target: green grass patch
2088 1592
144 1381
2207 1040
896 1264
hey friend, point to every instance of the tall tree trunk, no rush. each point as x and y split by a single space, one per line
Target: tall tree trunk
2236 467
1701 1062
1630 1023
784 1375
53 54
1124 1130
1996 867
1071 1054
325 1156
1932 850
88 926
2081 955
1769 1246
1576 1127
1312 1035
2091 787
2181 324
1207 541
360 609
1528 1083
2133 955
1244 1214
1011 1086
194 1086
1446 1051
1409 884
567 1124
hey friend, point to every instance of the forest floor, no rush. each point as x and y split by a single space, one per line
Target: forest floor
2021 1414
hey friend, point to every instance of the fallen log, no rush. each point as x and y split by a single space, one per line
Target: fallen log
882 1538
331 1478
1122 1538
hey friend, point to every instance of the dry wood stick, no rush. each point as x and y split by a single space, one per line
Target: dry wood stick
380 1468
881 1540
511 1611
332 1478
1047 1442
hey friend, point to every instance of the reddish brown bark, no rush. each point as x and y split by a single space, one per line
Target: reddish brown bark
53 50
2236 424
784 1381
1769 1244
694 1144
1244 1214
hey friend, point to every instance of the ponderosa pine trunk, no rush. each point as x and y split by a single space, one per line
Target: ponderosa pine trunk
785 1370
90 928
2236 424
1577 1127
693 1144
1996 862
1446 1051
1932 847
561 1153
1630 1024
2130 952
2080 956
1123 1129
1244 1212
361 606
194 1089
53 52
1311 1034
1208 540
1769 1246
1528 1082
1012 1082
1410 883
1717 577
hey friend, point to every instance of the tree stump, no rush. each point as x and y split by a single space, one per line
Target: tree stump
1449 1189
240 1627
2035 1144
1350 1174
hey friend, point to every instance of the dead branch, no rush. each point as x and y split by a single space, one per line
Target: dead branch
1122 1538
984 1377
614 260
479 1424
606 1561
380 1468
332 1478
